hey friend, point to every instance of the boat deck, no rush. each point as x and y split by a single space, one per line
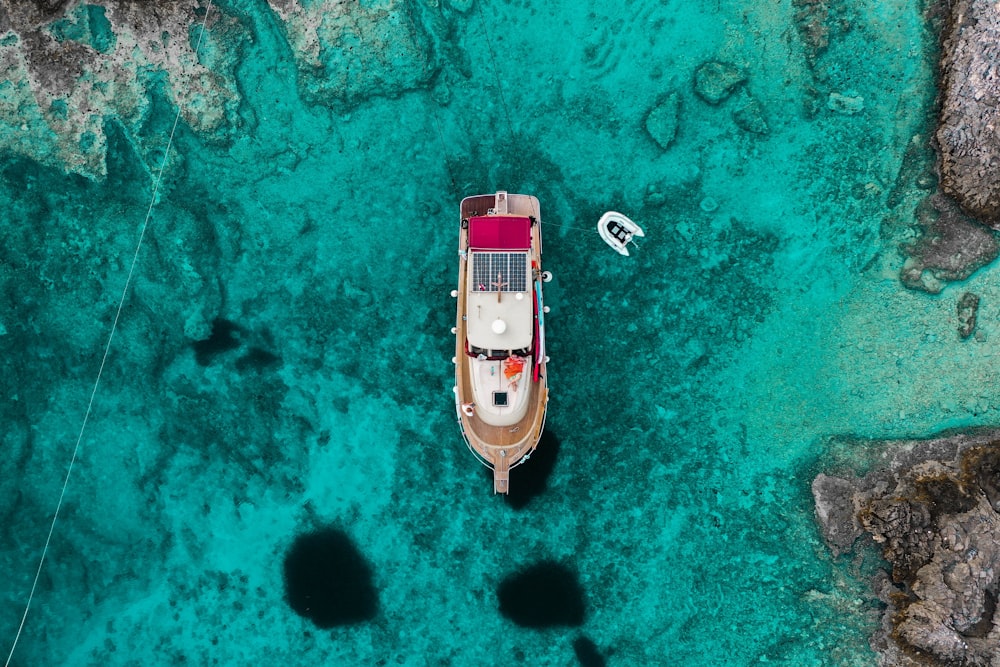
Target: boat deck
472 206
503 447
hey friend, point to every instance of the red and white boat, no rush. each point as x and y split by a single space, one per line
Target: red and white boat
501 391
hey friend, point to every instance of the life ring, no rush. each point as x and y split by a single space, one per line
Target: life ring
468 409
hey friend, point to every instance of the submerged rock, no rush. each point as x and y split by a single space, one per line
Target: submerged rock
845 103
348 52
951 246
661 122
812 19
715 81
967 137
749 115
968 307
73 68
934 512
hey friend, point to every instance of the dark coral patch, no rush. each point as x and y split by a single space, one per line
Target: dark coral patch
256 359
224 337
328 580
981 467
543 595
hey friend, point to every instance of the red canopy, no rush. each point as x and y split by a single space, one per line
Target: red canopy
500 232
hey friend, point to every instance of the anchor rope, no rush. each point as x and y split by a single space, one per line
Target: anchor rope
104 359
496 72
444 145
562 226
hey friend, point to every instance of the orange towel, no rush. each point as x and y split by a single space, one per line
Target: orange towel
512 366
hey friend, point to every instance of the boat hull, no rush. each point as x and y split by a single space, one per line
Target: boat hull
500 446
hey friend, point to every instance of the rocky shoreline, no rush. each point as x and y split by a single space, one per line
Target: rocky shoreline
967 137
955 220
932 508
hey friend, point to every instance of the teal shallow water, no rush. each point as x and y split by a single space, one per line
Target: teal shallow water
694 384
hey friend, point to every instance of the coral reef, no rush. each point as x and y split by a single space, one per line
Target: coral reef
70 68
346 53
933 511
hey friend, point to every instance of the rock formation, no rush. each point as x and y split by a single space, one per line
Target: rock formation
70 68
847 104
715 81
968 309
934 512
812 19
661 121
951 246
957 165
968 135
749 114
346 52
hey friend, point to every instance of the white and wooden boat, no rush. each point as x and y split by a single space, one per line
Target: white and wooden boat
501 390
618 230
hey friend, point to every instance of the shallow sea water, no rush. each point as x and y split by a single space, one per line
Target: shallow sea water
694 384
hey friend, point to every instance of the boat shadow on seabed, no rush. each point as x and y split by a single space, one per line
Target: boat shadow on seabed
531 479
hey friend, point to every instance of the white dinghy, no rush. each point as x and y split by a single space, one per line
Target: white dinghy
618 230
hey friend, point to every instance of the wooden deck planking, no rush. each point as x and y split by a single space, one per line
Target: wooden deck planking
477 205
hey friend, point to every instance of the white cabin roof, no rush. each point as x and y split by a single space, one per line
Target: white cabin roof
499 304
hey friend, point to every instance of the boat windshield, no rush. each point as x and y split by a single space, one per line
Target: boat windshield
497 355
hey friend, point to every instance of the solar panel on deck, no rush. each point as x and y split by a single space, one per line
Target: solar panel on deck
499 271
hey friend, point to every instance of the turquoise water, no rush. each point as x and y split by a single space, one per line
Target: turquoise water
314 206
